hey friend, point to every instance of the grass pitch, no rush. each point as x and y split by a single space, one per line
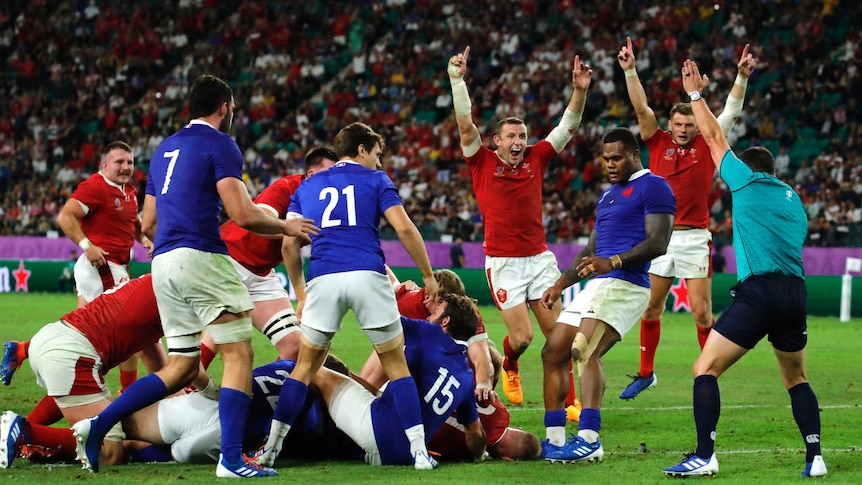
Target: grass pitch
757 441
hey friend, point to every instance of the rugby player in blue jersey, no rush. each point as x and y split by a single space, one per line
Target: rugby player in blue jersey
347 272
192 174
634 221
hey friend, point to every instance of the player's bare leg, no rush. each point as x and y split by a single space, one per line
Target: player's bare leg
650 334
520 329
282 332
547 318
700 298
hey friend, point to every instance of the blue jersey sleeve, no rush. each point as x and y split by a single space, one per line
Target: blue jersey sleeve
228 159
735 173
294 205
151 188
388 192
659 198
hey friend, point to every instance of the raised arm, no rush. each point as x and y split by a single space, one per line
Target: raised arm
582 75
469 133
694 83
733 105
646 116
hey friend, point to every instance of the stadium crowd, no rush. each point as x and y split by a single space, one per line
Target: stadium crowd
79 75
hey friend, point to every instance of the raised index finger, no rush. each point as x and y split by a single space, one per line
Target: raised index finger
744 52
466 53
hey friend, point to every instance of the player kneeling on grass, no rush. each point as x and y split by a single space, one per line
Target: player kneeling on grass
70 358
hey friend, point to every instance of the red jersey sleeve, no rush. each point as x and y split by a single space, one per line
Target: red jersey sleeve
411 303
256 253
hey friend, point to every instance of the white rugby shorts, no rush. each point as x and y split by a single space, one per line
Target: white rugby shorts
91 282
193 288
616 302
687 256
260 288
368 293
515 281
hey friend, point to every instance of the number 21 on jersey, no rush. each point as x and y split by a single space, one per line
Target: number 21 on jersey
331 194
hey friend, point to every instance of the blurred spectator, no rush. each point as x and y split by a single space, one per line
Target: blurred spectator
81 74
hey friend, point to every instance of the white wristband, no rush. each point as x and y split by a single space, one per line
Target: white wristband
460 97
742 81
630 72
84 244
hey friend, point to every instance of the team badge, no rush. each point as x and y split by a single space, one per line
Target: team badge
502 296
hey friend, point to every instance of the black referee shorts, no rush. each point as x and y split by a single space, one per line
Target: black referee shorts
773 305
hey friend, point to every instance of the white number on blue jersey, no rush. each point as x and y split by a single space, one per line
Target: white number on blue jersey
440 395
271 394
173 155
332 194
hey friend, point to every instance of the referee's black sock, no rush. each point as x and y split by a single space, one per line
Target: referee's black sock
707 408
806 412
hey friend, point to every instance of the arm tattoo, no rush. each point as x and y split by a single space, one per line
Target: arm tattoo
658 229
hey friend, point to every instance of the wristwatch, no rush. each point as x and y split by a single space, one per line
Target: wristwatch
695 95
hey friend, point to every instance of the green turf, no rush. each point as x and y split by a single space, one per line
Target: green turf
757 438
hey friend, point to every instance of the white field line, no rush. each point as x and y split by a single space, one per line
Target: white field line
801 450
686 408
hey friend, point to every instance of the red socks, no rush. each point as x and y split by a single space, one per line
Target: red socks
650 336
60 439
703 334
572 396
207 356
510 362
46 412
127 378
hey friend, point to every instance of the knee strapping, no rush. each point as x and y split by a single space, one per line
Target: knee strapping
315 339
184 345
583 348
392 344
230 332
280 325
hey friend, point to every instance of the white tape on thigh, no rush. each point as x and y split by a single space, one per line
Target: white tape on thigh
185 345
229 332
280 325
